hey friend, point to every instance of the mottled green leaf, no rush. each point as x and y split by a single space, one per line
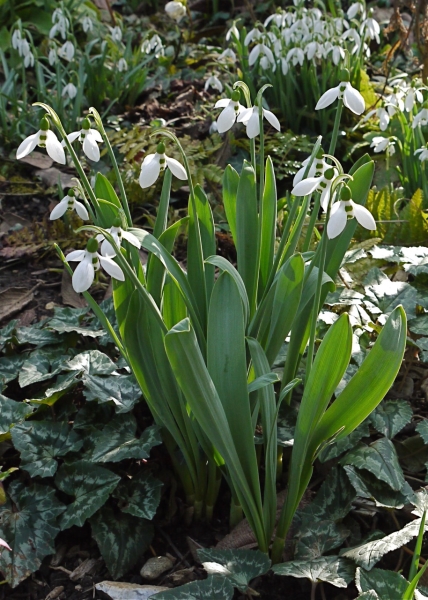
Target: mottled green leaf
29 526
139 496
7 333
387 295
331 569
117 440
40 442
239 566
122 390
391 416
319 537
62 385
333 500
90 485
370 595
214 588
10 367
12 412
92 362
380 458
350 441
40 366
422 429
122 539
419 325
413 453
36 336
386 584
66 320
368 485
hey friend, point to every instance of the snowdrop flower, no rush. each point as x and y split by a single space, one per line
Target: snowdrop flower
69 202
354 9
232 109
228 53
69 90
352 34
90 261
29 60
122 65
233 31
338 53
371 27
44 138
423 153
175 10
116 33
87 24
352 98
213 82
250 118
260 49
154 44
118 234
380 143
321 184
296 55
421 118
153 164
252 36
61 24
316 169
412 95
66 51
383 114
17 40
52 57
88 138
346 209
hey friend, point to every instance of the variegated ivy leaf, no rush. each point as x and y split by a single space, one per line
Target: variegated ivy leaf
391 416
239 566
9 367
70 320
11 413
367 555
40 442
90 485
8 333
313 541
122 539
368 485
420 502
335 449
386 584
422 429
117 440
370 595
122 390
92 362
63 384
28 522
37 336
387 294
333 500
40 366
380 458
139 496
214 588
331 569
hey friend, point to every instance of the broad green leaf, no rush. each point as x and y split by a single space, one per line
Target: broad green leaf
92 362
206 227
230 190
11 413
268 223
239 566
380 458
173 306
90 485
333 500
335 449
121 538
386 584
318 538
367 555
117 440
40 366
10 367
422 429
331 569
413 453
41 442
139 496
105 191
247 232
262 382
214 588
368 485
29 525
225 265
122 390
391 416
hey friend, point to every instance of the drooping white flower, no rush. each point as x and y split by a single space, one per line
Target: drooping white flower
61 24
380 143
421 118
260 49
321 183
88 138
252 36
353 35
296 56
412 96
232 109
233 31
69 203
250 118
227 54
29 60
175 10
44 138
69 90
352 98
371 29
87 24
118 234
17 40
423 153
153 164
116 33
345 209
52 57
122 65
354 9
338 54
89 262
383 114
213 82
66 51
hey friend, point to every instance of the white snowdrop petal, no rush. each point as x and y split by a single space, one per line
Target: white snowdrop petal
226 119
253 125
353 100
71 137
337 222
131 238
270 117
5 544
254 54
363 216
150 170
90 148
76 255
222 103
96 135
177 168
306 186
27 145
111 268
107 249
327 98
59 209
81 210
83 276
54 148
245 115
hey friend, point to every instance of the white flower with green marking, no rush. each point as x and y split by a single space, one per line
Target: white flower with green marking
118 234
352 98
251 119
231 111
69 203
44 138
91 261
153 164
346 209
88 138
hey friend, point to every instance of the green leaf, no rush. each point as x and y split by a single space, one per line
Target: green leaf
391 416
122 390
92 362
318 538
105 191
370 595
36 336
90 485
10 367
331 569
139 496
29 526
268 223
422 429
239 566
386 584
40 442
12 412
117 440
333 500
388 294
335 449
122 539
214 588
207 233
380 458
368 485
8 333
225 265
230 190
40 366
66 320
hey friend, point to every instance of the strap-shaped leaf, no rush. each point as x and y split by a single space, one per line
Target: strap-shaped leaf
230 190
225 265
206 227
268 224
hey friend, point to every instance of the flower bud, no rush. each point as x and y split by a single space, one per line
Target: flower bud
44 124
71 193
92 245
160 148
236 95
345 194
344 75
86 124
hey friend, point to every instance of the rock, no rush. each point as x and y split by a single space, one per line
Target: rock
118 590
155 567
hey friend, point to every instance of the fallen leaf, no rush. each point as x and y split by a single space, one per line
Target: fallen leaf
13 300
10 252
27 317
51 176
38 160
11 221
69 296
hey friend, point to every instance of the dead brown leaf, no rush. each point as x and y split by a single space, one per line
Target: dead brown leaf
10 252
13 300
69 296
51 176
38 160
27 317
10 220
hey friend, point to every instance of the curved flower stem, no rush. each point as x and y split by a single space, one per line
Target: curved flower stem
334 135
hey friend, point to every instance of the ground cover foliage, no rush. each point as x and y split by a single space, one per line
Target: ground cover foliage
78 447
